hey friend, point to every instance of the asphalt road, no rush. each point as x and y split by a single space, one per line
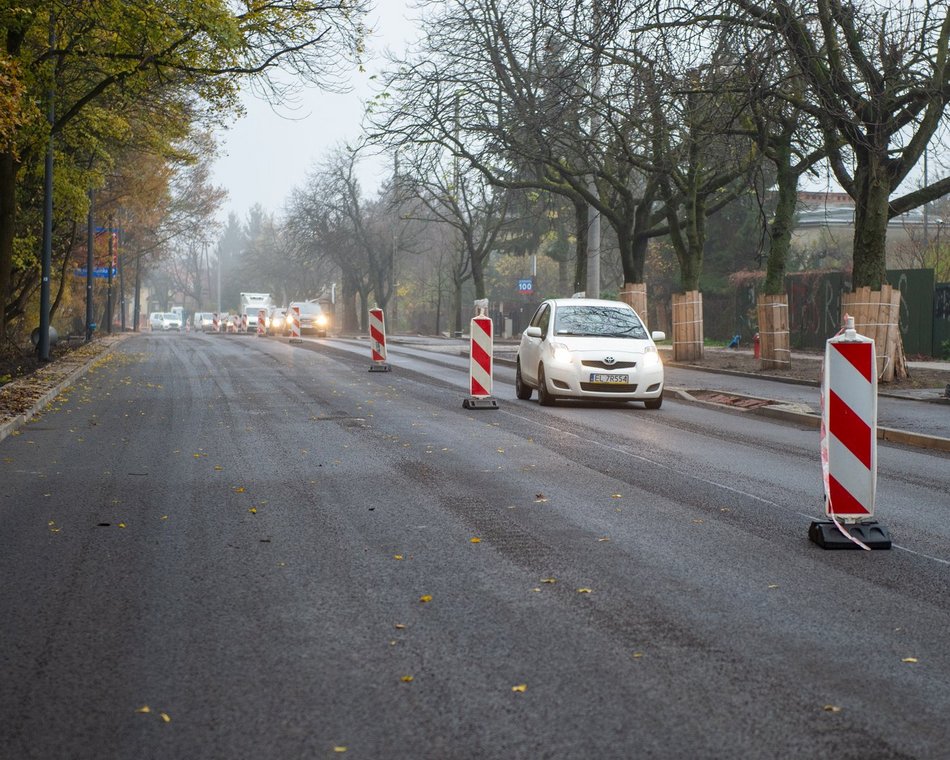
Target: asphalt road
229 547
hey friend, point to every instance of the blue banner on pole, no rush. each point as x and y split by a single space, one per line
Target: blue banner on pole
526 286
96 272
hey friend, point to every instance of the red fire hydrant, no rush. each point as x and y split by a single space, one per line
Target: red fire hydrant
755 345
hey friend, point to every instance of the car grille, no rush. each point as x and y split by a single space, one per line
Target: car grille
609 387
604 365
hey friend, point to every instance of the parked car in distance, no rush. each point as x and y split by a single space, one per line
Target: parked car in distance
204 321
589 349
164 321
312 317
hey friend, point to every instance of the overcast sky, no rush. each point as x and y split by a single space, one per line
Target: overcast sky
268 153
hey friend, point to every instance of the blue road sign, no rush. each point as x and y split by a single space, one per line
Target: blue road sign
526 286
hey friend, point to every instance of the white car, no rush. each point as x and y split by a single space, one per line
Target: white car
589 349
164 321
204 321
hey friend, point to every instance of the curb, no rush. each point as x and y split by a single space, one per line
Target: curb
10 426
788 413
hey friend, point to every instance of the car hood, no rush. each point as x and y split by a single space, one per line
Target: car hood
601 346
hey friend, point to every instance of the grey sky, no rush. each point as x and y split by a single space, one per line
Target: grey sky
269 152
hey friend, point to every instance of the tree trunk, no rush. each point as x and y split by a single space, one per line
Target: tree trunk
780 231
876 315
871 204
348 298
580 246
773 331
8 175
687 326
635 294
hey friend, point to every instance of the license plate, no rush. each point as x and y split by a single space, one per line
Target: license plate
609 379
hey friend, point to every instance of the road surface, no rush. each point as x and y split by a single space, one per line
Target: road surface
229 547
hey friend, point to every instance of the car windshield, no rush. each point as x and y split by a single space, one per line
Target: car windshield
602 321
171 316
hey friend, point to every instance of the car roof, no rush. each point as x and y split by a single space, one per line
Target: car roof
558 302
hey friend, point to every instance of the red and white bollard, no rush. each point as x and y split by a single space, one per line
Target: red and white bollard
295 324
261 317
215 324
849 445
377 339
480 365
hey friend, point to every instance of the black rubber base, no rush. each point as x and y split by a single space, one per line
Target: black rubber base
295 340
380 368
827 536
479 403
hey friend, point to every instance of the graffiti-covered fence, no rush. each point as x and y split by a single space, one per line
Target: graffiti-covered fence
814 305
941 323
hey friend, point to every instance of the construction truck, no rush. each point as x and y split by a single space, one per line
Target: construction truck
251 304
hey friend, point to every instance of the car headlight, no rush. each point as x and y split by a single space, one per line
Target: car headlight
650 357
560 353
322 320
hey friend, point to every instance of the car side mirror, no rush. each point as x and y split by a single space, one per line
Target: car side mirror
532 332
658 335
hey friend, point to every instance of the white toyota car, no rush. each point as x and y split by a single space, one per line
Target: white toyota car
588 348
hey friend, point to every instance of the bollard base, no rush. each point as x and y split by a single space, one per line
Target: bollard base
296 340
479 403
827 536
380 368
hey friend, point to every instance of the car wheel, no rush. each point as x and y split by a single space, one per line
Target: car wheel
522 389
654 403
545 397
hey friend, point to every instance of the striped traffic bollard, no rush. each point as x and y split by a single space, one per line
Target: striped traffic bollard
480 365
849 445
261 316
377 339
295 324
215 325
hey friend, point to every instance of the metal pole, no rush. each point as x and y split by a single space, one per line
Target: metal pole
593 215
138 282
109 298
90 263
219 279
42 345
121 267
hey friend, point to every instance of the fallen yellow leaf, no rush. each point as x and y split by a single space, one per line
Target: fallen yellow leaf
239 489
583 591
144 709
397 556
166 717
773 585
425 598
475 540
549 580
637 655
604 538
909 659
339 749
521 688
253 510
831 708
122 525
616 496
406 679
400 626
218 467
